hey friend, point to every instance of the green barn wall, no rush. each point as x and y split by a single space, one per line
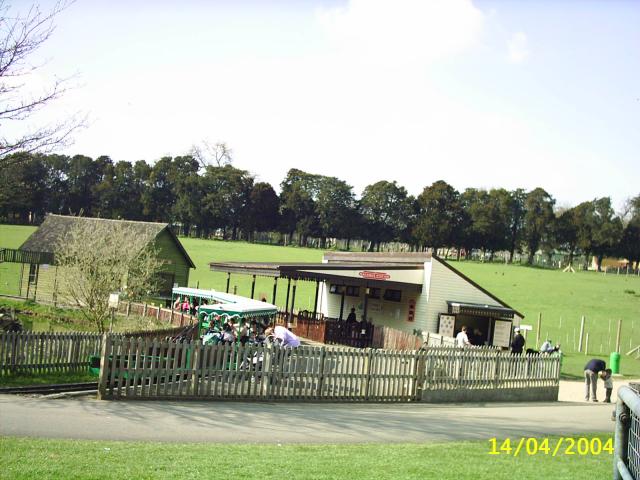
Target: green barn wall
47 288
176 263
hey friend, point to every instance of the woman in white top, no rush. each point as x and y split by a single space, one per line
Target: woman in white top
462 340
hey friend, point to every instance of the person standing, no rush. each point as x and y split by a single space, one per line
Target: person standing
462 340
608 384
517 345
351 318
591 370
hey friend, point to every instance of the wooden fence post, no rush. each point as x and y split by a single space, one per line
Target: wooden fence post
496 373
586 347
13 345
104 373
323 353
128 308
538 329
618 335
581 334
367 371
195 368
144 309
421 371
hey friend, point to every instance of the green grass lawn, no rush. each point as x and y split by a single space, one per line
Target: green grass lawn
23 458
27 379
561 298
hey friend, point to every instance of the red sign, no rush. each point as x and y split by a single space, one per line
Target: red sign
374 275
411 310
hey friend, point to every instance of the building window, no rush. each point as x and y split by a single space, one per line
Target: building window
336 288
393 295
374 293
352 291
33 273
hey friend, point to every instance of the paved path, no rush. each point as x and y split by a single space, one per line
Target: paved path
85 418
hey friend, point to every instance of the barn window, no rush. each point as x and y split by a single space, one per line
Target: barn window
393 295
33 273
165 283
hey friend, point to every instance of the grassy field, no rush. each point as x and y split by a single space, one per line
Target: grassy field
561 298
23 458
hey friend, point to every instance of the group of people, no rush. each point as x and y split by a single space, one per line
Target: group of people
188 306
464 339
248 331
592 370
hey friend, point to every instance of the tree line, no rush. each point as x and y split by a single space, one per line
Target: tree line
204 199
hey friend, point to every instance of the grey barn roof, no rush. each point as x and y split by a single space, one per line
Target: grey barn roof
54 228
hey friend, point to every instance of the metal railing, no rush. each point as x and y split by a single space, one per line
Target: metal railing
626 457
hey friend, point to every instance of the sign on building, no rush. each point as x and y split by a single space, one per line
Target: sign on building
502 333
447 324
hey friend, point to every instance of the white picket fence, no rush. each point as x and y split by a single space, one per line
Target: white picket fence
150 369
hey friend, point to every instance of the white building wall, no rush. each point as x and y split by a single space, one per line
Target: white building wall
447 285
440 284
380 311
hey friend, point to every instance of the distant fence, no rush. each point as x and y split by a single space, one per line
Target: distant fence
177 318
151 369
34 352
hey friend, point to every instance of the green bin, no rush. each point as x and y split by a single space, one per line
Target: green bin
614 362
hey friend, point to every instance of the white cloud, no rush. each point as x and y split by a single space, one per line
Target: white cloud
518 47
402 31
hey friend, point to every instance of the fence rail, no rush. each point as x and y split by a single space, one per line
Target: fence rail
626 457
332 331
151 369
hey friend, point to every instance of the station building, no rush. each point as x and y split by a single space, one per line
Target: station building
412 292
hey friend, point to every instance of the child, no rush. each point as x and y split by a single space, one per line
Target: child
608 384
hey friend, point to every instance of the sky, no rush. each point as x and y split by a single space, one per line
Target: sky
480 94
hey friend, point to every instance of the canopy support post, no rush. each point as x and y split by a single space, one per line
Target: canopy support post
275 288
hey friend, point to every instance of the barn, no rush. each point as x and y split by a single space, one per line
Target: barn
38 275
412 292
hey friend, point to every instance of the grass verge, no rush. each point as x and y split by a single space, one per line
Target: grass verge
29 379
27 458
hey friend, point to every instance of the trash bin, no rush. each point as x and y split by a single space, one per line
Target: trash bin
614 362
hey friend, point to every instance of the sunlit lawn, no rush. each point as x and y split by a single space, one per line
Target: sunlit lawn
22 458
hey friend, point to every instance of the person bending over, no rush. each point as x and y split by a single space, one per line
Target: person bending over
286 337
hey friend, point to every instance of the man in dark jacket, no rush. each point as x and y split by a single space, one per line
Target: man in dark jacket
517 345
591 370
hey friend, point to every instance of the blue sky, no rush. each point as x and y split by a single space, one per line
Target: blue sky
480 94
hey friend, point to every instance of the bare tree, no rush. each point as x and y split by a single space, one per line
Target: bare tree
96 258
208 153
21 35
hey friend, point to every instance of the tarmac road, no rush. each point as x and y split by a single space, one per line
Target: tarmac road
239 422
